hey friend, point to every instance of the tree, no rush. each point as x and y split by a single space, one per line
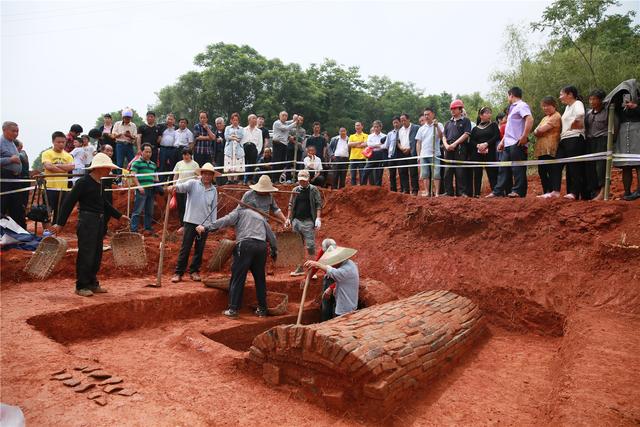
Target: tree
36 165
579 24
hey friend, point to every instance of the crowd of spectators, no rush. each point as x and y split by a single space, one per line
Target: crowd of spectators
446 156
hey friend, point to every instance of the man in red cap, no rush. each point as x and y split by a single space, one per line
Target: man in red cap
456 133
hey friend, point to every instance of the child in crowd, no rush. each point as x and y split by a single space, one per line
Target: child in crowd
79 155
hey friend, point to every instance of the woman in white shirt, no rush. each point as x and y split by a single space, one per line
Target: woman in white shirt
572 143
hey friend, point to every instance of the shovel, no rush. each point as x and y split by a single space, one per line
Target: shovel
307 279
158 282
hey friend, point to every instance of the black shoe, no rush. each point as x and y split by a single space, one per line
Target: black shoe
632 196
261 312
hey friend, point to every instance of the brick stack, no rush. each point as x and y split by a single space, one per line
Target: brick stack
376 355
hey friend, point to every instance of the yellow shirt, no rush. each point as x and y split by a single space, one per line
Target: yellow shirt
356 152
50 156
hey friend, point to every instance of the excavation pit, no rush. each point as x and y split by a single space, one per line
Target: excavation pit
240 338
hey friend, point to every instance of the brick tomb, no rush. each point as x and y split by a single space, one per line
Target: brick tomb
375 356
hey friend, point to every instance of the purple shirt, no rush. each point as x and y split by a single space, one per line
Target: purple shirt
518 111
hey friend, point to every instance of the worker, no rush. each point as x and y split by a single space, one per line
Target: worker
250 253
87 191
337 265
260 196
201 208
305 205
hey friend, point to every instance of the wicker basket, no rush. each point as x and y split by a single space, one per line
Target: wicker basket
128 250
49 253
290 249
223 253
217 282
281 308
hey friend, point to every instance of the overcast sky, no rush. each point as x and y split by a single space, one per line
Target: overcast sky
68 62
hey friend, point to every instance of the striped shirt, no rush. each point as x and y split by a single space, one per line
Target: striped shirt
143 166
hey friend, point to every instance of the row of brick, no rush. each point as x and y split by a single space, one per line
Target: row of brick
378 353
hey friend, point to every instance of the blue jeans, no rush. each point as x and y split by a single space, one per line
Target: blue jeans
143 202
124 150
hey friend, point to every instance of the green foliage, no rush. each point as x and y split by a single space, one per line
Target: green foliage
36 165
584 26
589 48
117 116
238 79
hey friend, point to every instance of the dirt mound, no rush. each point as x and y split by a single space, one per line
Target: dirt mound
549 255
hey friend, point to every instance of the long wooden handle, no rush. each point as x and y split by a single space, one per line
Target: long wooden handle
304 295
244 205
164 238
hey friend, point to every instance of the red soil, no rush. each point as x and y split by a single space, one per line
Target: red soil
557 279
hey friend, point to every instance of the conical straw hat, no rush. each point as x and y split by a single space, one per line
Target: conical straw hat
264 185
101 160
337 255
208 167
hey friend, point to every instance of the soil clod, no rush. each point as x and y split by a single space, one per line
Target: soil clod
113 388
72 382
100 375
102 400
127 392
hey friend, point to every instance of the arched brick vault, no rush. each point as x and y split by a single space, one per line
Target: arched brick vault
378 353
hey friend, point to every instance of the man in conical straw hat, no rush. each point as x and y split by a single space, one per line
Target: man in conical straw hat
337 265
87 192
201 209
260 196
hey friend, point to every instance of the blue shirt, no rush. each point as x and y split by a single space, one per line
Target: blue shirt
7 150
202 203
347 280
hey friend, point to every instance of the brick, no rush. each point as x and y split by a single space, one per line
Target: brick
113 388
334 399
83 387
94 395
405 360
71 382
271 374
377 390
256 355
102 400
112 380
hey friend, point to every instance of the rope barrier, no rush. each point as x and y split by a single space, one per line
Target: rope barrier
386 163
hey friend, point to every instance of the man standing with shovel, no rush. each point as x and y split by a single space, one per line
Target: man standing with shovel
201 209
87 191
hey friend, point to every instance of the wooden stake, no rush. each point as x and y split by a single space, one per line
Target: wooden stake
607 175
162 244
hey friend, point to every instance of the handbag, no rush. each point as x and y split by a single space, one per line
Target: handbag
368 152
38 212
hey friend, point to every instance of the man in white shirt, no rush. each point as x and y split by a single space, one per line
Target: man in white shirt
374 169
168 156
183 137
425 147
339 148
280 139
405 149
252 144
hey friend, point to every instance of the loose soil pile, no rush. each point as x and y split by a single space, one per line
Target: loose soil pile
558 281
